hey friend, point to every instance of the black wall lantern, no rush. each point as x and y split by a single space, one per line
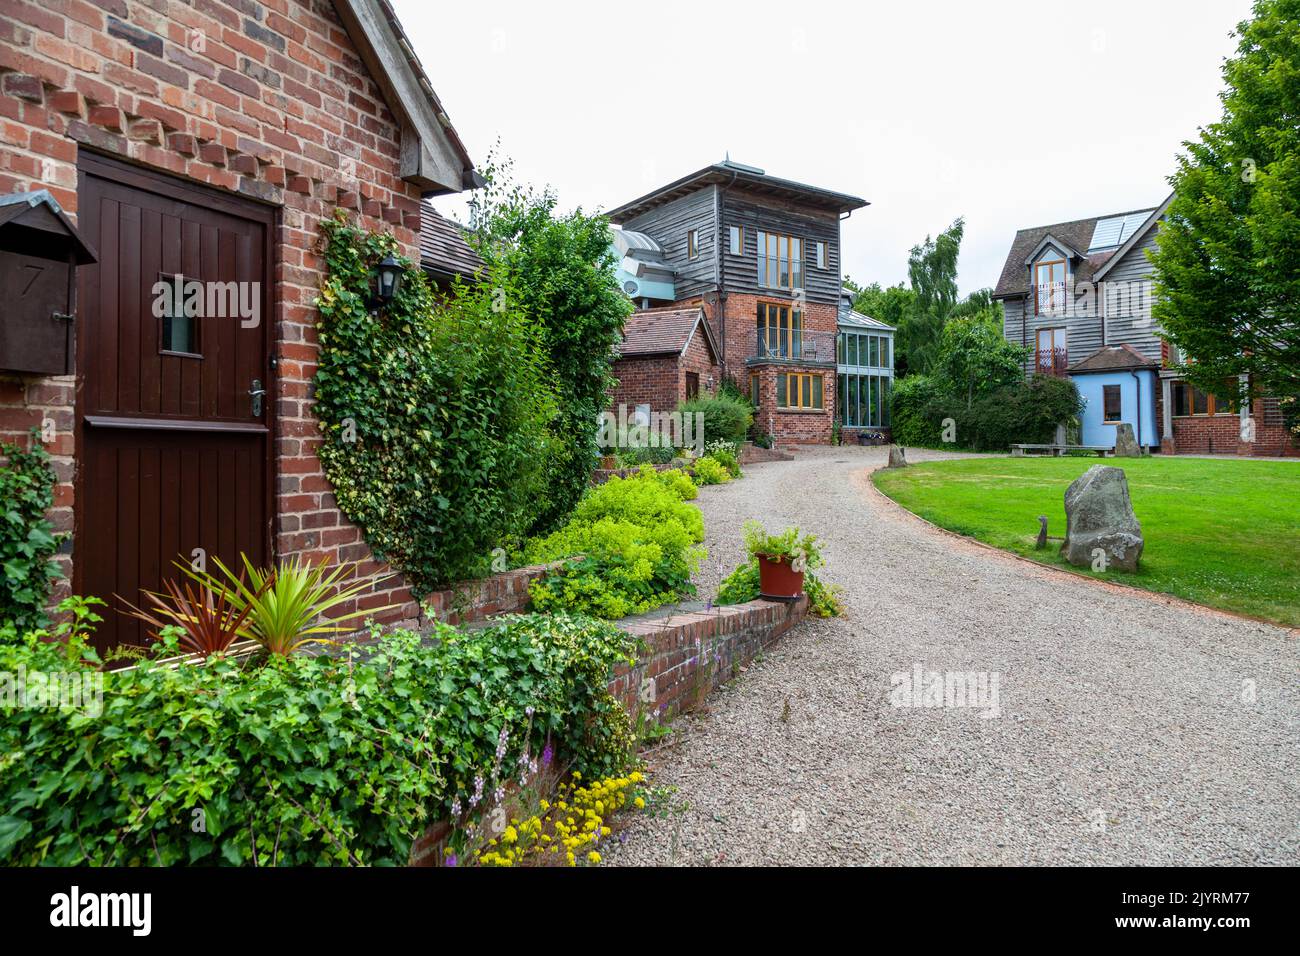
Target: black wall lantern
389 281
40 250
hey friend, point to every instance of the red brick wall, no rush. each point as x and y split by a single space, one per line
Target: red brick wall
699 359
793 425
264 98
656 381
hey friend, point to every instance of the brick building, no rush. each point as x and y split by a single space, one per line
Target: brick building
667 355
205 140
761 257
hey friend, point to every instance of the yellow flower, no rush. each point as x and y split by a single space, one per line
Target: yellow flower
571 858
510 836
639 803
635 776
593 856
576 775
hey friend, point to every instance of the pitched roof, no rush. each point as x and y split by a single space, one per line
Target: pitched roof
1076 233
433 156
443 249
728 173
1111 358
665 331
858 320
1134 239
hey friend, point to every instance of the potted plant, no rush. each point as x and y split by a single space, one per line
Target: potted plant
782 560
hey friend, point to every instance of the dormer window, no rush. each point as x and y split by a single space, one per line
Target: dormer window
1049 286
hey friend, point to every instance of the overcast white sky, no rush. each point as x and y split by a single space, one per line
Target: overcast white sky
1011 113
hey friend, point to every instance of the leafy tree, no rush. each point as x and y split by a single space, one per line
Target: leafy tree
1227 266
562 269
932 272
974 358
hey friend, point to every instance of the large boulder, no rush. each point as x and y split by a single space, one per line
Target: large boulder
1126 445
896 459
1099 514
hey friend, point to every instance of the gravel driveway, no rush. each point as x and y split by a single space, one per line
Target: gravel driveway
1124 733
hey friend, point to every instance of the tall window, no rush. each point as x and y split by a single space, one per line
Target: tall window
1052 357
863 400
692 384
780 330
862 350
799 390
1112 405
736 240
692 243
1049 287
780 261
821 255
754 393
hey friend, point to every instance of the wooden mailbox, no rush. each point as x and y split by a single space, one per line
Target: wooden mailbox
40 250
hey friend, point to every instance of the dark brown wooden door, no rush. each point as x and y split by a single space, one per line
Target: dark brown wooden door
175 454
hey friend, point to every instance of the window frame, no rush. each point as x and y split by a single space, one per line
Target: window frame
735 240
1065 274
787 336
821 253
1106 392
692 244
768 252
803 388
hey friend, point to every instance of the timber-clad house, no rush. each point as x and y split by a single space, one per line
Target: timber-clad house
206 140
757 259
1078 294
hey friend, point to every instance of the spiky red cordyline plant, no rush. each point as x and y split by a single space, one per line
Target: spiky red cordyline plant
210 619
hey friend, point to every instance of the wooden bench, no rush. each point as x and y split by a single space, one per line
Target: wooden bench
1018 451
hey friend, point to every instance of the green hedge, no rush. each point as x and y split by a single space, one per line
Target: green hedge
301 760
1022 412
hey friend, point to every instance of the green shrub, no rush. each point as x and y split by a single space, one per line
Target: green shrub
710 471
917 410
726 418
636 538
562 267
435 412
301 760
726 454
27 539
1022 412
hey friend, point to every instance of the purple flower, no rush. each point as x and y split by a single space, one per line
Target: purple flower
499 794
451 860
548 755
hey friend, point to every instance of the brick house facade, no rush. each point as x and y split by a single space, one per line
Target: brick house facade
293 108
667 355
754 251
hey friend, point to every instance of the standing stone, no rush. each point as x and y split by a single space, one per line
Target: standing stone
1099 514
1126 445
1041 543
896 459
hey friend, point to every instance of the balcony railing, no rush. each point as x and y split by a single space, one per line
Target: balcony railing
795 347
1051 298
1052 361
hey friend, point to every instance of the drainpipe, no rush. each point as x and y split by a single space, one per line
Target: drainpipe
1138 380
720 266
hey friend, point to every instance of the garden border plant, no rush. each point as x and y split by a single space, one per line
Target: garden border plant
27 539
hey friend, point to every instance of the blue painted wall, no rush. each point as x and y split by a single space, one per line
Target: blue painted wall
1095 432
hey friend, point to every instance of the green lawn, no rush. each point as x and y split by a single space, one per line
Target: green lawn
1221 533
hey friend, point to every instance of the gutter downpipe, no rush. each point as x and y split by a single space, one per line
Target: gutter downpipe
720 269
1138 380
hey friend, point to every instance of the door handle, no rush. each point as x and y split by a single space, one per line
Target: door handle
256 392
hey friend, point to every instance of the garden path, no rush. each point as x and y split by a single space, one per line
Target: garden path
1130 730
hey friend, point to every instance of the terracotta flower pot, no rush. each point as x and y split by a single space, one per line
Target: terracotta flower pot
777 579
